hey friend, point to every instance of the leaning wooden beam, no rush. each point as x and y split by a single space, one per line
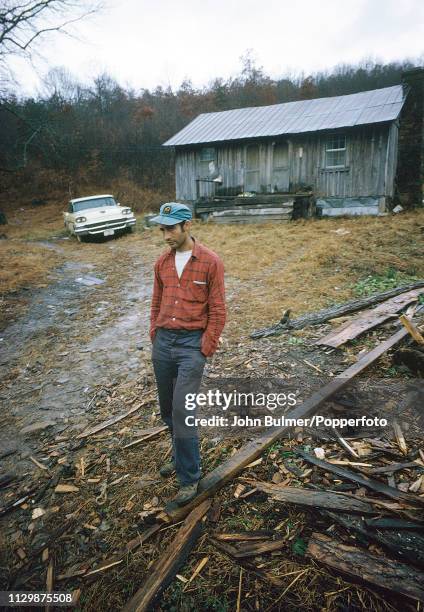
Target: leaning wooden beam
376 571
252 450
165 568
413 331
340 310
374 485
316 499
369 319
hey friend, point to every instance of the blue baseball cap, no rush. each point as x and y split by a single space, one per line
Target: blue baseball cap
172 213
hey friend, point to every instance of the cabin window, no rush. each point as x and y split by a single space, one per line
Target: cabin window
335 151
251 181
207 161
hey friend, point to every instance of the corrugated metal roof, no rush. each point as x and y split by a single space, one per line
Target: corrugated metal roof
293 117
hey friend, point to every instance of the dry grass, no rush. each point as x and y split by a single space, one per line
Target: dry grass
305 265
25 269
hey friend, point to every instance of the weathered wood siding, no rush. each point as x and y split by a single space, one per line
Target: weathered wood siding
298 161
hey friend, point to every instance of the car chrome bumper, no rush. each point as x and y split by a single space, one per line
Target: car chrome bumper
99 228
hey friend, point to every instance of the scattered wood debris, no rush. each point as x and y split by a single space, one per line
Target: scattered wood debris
167 566
363 566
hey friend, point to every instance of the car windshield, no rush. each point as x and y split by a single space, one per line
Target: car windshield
96 203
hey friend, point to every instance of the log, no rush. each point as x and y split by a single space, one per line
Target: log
317 499
339 310
166 567
369 319
409 546
252 450
376 571
374 485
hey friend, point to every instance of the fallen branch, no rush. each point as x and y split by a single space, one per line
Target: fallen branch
377 571
340 310
166 567
234 465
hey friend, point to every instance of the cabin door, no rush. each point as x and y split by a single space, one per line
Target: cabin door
280 167
251 177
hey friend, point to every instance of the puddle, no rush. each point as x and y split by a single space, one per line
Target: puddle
66 346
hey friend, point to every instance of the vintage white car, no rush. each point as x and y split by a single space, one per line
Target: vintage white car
97 215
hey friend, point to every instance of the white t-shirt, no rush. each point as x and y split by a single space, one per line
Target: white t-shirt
180 261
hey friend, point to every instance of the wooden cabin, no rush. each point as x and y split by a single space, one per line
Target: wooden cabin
358 154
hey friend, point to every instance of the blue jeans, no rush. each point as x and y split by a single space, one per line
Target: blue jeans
178 365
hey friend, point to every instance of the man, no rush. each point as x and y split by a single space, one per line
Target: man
187 318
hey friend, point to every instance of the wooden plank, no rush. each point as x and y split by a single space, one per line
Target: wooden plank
267 577
253 219
252 450
148 435
369 319
316 499
376 571
243 550
164 569
339 310
109 422
247 536
374 485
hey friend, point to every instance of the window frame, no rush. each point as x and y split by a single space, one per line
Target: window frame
205 160
331 138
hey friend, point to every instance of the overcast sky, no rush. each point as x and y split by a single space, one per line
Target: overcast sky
145 43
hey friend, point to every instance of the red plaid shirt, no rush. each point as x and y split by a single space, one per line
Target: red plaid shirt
196 300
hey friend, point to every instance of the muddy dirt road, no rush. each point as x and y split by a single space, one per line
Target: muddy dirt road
88 328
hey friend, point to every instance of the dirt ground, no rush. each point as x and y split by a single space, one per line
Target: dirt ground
75 351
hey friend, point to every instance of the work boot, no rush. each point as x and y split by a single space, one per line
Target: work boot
167 469
186 494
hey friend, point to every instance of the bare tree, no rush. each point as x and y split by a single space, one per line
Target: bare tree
24 22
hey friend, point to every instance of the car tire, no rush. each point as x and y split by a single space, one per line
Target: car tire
130 229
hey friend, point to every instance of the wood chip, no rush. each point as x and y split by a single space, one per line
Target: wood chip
400 438
65 488
199 568
38 464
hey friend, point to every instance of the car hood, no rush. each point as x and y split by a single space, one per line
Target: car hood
102 212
